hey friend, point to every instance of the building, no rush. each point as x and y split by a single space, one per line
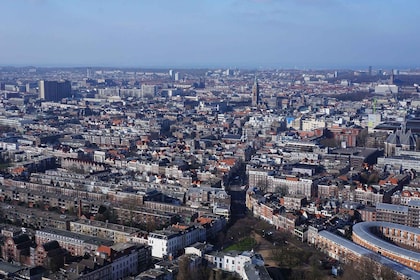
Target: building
148 90
386 89
114 232
346 251
399 162
293 185
76 244
126 259
234 261
199 249
401 139
387 238
171 242
49 255
87 269
294 202
54 90
256 99
17 249
400 214
327 191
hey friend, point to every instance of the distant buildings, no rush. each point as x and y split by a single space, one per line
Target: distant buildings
401 139
256 99
157 150
54 90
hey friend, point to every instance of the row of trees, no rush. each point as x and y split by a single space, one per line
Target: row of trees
368 268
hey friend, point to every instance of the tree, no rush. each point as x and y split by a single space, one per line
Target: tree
365 268
387 273
262 185
183 268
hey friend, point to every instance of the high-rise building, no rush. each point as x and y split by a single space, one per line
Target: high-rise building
391 77
148 90
88 73
255 93
54 90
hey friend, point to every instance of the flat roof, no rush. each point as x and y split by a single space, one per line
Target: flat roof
391 207
10 268
84 238
363 230
359 250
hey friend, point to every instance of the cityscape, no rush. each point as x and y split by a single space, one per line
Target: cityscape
224 174
209 140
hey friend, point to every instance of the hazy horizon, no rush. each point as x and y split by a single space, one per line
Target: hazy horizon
245 34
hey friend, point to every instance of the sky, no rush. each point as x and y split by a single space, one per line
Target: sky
315 34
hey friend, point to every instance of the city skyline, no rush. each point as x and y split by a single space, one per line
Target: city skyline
189 34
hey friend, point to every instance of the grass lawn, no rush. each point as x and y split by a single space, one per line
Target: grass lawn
245 244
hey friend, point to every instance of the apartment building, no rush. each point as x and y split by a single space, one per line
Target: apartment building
171 241
390 240
400 214
76 244
234 261
346 251
114 232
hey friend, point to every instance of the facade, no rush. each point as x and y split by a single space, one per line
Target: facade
170 242
377 237
400 214
88 269
114 232
293 185
256 99
54 90
235 261
287 222
346 251
76 244
17 249
401 139
312 124
294 202
124 258
327 191
49 255
398 162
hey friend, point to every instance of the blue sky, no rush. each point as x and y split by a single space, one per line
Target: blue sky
210 33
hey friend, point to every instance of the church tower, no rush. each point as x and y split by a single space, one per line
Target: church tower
255 93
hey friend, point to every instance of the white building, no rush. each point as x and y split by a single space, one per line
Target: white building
235 261
169 242
312 124
126 264
383 89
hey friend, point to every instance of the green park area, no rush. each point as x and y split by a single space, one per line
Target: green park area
246 244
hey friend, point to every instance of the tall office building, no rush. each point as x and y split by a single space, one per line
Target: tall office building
54 90
391 78
255 93
88 73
